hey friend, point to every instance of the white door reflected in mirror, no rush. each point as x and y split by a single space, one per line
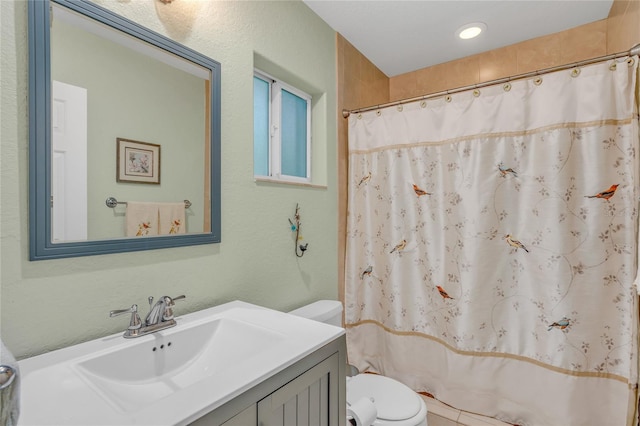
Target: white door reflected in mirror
69 163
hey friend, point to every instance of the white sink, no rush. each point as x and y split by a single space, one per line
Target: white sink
172 376
146 371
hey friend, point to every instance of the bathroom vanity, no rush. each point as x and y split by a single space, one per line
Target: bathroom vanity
233 364
307 393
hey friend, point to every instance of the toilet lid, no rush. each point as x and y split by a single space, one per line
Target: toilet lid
393 400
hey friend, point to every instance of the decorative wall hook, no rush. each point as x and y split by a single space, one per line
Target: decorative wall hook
295 227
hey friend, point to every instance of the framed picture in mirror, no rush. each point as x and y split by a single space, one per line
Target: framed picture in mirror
137 161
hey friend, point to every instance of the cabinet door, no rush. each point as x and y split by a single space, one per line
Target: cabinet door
310 399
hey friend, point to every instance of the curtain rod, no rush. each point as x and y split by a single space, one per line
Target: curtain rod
635 50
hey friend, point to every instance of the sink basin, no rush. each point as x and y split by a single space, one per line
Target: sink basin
147 371
173 376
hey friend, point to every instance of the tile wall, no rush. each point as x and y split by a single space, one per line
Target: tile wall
623 25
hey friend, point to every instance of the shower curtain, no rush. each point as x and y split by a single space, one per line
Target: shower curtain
492 247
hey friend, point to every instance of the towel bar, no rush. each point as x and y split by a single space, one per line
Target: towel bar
111 202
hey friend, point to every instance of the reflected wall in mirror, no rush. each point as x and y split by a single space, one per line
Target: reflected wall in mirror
96 77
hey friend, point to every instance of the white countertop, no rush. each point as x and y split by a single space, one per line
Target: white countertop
55 392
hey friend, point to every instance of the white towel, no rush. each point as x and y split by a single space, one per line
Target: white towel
172 218
141 219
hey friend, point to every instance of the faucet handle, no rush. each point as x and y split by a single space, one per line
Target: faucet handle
168 307
135 322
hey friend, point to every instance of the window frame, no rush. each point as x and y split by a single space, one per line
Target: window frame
275 124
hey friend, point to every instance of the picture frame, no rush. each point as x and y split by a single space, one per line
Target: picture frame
137 162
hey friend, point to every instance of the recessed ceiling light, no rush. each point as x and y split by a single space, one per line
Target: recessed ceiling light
471 30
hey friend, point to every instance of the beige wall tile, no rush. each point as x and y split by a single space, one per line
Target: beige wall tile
431 80
498 63
362 82
633 16
403 86
352 60
339 69
379 75
623 27
539 53
378 93
632 22
584 42
350 91
618 7
616 34
463 72
367 69
434 79
375 86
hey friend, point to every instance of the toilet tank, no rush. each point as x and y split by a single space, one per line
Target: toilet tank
327 311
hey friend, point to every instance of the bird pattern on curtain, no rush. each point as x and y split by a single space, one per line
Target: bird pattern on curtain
481 227
519 243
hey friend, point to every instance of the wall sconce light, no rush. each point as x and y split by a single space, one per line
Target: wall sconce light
178 17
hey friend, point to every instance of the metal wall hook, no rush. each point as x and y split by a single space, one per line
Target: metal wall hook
295 227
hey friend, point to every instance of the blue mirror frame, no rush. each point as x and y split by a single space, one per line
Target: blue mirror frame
40 242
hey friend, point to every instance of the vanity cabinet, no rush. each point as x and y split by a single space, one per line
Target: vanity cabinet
310 392
309 399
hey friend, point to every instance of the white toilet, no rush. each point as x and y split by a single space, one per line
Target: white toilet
396 404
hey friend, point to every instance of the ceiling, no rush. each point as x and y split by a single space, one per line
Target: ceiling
400 36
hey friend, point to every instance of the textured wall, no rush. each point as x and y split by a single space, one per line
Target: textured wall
55 303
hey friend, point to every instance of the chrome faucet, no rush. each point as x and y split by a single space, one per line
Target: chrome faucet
159 318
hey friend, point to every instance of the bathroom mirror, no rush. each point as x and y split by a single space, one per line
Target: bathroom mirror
117 114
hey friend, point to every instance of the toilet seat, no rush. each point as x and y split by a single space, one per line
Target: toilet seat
395 403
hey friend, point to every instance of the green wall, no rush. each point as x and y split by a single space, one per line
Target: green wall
51 304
